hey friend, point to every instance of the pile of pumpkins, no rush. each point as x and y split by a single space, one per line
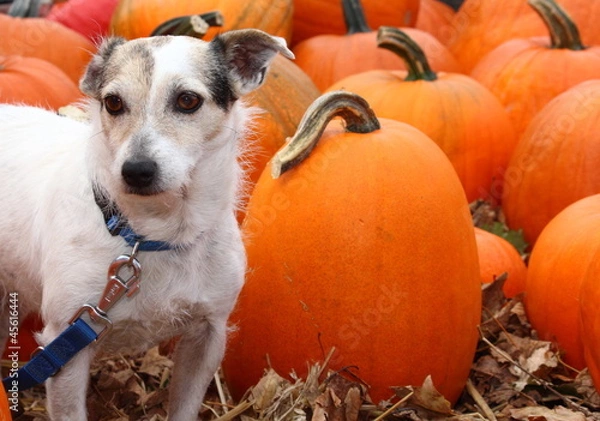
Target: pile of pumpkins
357 225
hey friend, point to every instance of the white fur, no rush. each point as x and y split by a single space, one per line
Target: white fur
55 248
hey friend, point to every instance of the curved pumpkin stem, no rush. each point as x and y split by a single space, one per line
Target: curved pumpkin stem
356 112
193 25
563 31
354 16
399 43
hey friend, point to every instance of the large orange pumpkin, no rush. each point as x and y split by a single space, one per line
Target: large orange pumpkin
556 162
457 112
46 40
318 17
558 263
138 18
479 26
31 81
589 298
498 257
525 74
364 243
329 58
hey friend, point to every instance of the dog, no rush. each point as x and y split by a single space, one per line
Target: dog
166 125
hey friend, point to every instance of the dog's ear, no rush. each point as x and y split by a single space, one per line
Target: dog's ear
91 82
248 53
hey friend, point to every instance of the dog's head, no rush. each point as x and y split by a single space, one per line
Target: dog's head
164 103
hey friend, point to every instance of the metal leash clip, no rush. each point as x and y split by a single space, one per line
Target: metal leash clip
114 290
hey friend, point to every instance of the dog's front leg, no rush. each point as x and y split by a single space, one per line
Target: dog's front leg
197 358
66 391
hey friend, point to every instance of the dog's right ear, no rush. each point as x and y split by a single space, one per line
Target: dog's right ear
92 80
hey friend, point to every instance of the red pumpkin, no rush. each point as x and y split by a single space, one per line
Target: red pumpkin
88 17
454 110
557 266
556 162
498 257
525 74
330 58
31 81
319 17
138 18
46 40
589 297
367 246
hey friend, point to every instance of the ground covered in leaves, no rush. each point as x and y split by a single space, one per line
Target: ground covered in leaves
514 377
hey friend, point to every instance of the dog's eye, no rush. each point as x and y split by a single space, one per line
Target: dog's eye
188 102
113 104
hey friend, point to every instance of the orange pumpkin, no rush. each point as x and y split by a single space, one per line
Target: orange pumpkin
278 117
458 113
318 17
5 412
354 246
589 298
435 17
138 18
31 81
46 40
557 266
329 58
497 257
556 162
525 74
479 26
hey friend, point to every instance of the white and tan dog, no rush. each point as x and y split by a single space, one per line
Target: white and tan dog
162 150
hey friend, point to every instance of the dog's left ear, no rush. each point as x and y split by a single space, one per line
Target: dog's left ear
248 54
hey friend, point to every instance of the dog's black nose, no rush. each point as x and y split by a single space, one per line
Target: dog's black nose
139 173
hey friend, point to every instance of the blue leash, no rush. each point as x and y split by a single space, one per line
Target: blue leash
52 358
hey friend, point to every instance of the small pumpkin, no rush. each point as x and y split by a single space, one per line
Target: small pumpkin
497 258
5 411
358 237
31 81
556 162
277 118
589 297
557 267
319 17
138 18
525 74
47 40
90 18
454 110
329 58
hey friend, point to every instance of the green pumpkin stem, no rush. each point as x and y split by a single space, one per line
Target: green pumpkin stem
354 16
354 110
563 31
192 25
400 43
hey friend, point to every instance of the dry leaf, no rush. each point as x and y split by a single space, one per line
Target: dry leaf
541 413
